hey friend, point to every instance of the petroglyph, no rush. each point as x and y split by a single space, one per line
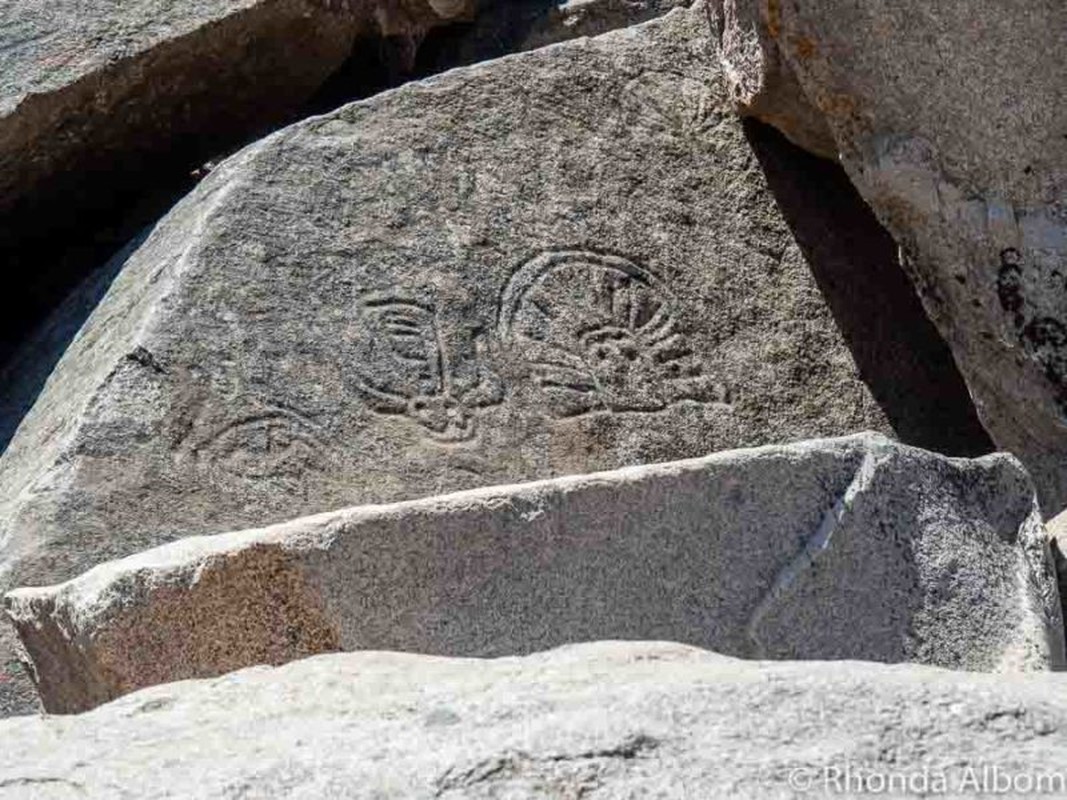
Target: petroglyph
683 108
600 333
267 443
403 366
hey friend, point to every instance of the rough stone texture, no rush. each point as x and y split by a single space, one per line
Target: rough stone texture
762 83
510 26
17 692
558 262
101 100
604 720
848 548
1057 532
855 262
951 119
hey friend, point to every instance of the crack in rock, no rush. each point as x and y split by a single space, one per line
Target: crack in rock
814 546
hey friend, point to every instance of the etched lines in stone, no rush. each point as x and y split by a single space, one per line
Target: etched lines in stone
592 332
271 443
598 333
814 546
402 367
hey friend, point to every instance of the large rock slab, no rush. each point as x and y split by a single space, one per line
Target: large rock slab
602 720
950 120
387 49
557 262
848 548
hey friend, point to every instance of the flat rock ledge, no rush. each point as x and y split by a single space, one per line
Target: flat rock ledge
602 720
851 548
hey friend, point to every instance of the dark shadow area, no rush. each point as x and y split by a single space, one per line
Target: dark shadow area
900 355
47 254
1060 561
502 28
376 64
23 377
512 26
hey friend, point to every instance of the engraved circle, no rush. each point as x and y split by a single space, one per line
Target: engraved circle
598 332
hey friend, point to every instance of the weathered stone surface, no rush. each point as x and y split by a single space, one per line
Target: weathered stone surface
847 548
761 82
79 78
558 262
511 26
102 102
899 353
393 49
496 28
602 720
950 119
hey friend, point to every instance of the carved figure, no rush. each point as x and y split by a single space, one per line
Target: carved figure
599 332
404 367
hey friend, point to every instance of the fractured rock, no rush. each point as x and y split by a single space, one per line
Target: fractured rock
854 548
554 263
950 119
610 719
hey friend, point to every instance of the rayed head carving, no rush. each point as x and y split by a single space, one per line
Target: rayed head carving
403 366
599 332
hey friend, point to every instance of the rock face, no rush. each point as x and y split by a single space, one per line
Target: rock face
761 81
101 101
950 120
454 283
554 263
394 36
850 548
900 355
510 26
604 720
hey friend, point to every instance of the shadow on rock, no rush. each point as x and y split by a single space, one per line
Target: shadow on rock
901 357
